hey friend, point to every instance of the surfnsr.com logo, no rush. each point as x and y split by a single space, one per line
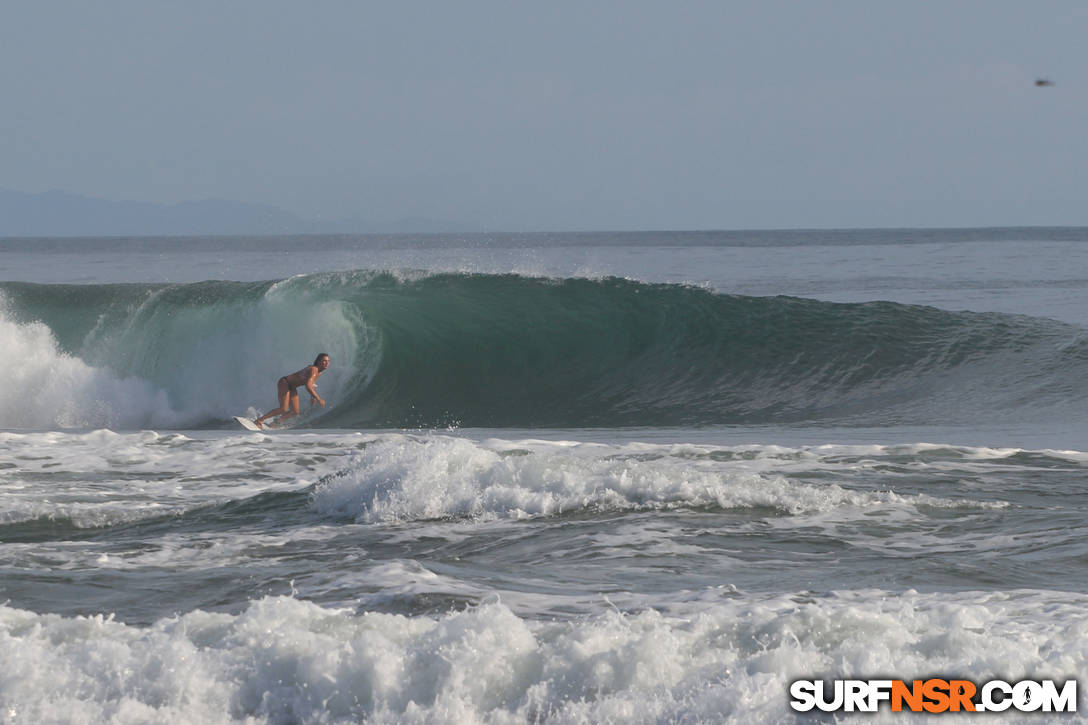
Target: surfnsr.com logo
933 695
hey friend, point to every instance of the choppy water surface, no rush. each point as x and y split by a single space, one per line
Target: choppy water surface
647 479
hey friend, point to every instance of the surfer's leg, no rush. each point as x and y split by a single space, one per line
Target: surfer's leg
283 392
294 406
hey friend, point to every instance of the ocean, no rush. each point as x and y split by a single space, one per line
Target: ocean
647 477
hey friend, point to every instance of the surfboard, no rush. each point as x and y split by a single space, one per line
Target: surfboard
246 423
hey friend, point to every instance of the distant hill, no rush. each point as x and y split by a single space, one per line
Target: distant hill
63 214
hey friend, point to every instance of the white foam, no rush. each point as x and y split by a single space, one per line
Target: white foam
400 477
45 387
724 659
103 478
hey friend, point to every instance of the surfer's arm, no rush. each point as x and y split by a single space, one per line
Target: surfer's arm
314 397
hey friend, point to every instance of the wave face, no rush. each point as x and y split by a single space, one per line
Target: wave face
481 350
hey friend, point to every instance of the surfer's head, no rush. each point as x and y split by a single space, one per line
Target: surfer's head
322 361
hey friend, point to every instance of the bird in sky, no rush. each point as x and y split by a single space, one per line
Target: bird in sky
1041 82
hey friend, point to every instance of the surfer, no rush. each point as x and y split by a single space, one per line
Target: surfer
287 390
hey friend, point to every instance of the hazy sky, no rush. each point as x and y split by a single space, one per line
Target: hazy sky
559 115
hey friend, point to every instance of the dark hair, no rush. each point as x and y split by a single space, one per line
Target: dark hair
318 358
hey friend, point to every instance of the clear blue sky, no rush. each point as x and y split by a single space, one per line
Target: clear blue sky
559 115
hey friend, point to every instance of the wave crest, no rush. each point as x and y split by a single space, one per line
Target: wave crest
508 351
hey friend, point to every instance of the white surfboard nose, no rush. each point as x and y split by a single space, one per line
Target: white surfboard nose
246 423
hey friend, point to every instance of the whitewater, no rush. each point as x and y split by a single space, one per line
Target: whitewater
641 477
